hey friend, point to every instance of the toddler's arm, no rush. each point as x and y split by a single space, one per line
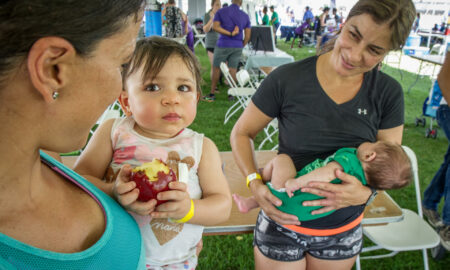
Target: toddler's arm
323 174
95 158
215 205
93 163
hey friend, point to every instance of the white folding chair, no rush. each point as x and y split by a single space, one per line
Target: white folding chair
244 80
242 94
200 38
113 111
438 49
412 233
270 130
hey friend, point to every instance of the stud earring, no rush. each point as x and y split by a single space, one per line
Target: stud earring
55 95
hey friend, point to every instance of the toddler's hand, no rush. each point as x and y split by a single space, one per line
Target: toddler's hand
178 204
126 193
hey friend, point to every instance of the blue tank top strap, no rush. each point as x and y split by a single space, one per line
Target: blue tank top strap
120 246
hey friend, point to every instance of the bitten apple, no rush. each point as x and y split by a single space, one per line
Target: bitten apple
152 178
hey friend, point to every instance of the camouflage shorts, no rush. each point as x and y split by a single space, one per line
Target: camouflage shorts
279 243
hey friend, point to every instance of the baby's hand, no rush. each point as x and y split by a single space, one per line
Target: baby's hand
126 193
292 185
178 204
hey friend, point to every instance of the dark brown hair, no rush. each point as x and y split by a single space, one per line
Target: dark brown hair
391 168
84 23
152 53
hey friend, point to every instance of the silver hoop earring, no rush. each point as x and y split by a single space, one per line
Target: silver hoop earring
55 95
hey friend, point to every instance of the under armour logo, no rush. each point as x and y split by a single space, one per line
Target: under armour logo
362 111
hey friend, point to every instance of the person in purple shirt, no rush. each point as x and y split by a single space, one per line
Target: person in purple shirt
233 25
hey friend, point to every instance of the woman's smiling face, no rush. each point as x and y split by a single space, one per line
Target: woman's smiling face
361 45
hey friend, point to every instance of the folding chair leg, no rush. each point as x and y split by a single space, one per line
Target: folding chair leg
425 259
267 139
358 263
231 111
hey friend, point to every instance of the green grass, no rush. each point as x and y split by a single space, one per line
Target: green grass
235 251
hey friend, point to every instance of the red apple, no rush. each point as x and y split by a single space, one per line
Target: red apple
152 178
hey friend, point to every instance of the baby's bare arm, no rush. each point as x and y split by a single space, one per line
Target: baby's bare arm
283 168
323 174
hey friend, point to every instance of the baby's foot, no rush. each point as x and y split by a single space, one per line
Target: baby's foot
244 204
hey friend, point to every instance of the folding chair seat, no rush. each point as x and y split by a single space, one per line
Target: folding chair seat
242 94
412 233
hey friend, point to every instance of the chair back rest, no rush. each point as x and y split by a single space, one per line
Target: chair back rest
226 73
243 77
415 171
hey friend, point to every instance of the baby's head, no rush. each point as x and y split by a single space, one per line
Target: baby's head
386 165
161 87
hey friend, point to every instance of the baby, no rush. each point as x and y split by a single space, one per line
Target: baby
381 165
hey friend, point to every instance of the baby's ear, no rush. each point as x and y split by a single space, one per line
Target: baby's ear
368 157
123 100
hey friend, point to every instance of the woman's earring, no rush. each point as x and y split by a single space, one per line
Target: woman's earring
55 95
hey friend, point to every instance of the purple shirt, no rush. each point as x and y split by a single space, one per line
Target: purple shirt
229 17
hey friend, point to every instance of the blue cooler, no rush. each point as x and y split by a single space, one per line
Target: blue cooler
413 41
415 50
153 23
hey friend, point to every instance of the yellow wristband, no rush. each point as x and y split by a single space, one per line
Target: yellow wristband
187 217
253 176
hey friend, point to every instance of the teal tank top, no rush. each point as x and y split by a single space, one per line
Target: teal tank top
120 246
346 157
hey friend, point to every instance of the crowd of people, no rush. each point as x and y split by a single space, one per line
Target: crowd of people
58 76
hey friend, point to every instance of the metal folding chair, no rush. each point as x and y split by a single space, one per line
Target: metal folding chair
412 233
200 38
270 130
242 94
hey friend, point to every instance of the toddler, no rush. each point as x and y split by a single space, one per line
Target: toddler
161 91
381 165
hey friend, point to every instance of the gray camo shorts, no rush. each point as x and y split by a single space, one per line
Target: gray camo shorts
279 243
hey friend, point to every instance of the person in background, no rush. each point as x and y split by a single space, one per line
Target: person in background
60 69
416 23
172 18
292 16
440 184
435 28
337 18
443 28
311 99
233 25
225 5
265 18
321 27
275 22
300 32
187 30
308 14
211 35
